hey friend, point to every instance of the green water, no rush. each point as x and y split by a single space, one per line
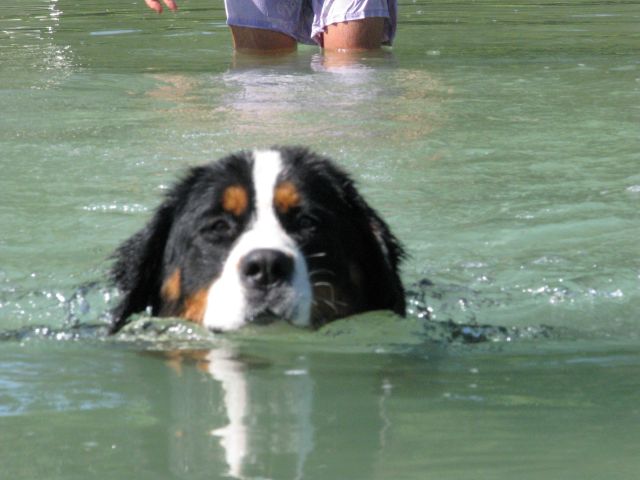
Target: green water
500 140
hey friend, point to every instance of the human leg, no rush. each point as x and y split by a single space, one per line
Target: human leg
269 26
364 34
354 24
258 40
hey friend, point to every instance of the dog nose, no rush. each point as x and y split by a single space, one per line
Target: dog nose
265 268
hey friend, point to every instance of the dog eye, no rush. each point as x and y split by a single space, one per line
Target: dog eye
217 227
306 222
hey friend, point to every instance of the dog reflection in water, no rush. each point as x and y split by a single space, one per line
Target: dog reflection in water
271 415
259 411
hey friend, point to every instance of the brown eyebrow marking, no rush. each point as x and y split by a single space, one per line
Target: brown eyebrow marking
235 199
171 287
286 197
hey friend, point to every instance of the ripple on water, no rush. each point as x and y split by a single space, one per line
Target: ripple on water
108 33
115 207
445 313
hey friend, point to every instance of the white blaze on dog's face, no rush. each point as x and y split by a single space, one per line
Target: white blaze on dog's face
263 250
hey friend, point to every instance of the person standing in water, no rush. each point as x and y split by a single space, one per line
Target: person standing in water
273 26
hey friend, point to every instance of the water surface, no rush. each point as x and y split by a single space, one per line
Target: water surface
501 142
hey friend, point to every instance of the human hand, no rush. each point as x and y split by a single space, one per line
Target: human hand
157 6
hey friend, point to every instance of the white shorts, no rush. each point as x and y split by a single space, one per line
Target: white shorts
306 20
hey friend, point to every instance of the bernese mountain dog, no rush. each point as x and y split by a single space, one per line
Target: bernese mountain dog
257 236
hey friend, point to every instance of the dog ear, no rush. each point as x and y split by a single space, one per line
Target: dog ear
137 270
380 255
377 252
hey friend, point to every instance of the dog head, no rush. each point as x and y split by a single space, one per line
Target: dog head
255 236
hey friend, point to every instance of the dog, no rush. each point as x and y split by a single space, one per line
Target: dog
257 236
